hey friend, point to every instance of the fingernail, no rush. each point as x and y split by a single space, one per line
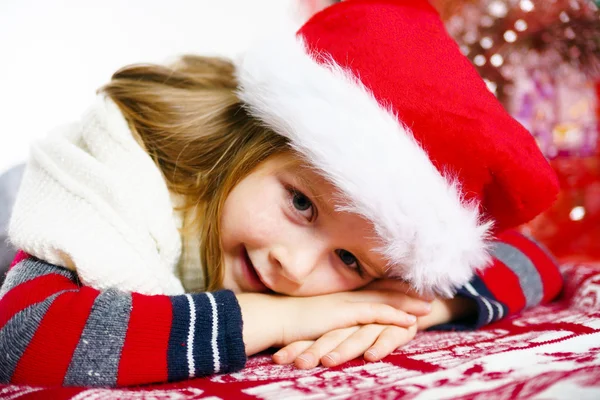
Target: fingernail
280 354
372 353
333 357
307 358
411 319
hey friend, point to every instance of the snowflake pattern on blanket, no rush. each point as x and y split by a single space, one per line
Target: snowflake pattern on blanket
550 351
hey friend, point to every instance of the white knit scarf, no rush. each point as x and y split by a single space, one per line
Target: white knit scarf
92 200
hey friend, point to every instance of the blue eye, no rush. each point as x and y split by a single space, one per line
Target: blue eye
350 260
302 204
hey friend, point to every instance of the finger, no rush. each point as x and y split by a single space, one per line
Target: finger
289 353
389 340
389 284
312 356
413 305
377 313
400 286
392 298
354 346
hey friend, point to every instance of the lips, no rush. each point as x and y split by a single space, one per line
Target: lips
251 275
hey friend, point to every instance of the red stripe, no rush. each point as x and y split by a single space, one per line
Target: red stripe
504 285
47 358
551 278
144 355
31 292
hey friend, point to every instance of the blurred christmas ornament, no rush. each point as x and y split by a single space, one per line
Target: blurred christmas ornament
557 106
571 228
542 60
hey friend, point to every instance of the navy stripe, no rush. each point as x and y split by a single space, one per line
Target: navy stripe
487 308
177 351
203 355
232 350
483 290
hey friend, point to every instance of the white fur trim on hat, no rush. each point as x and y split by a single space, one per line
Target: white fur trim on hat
430 235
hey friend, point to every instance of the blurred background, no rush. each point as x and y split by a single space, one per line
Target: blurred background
56 53
540 57
542 60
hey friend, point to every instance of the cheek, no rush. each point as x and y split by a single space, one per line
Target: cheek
329 280
253 220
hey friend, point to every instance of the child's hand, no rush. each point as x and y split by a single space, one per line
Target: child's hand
276 321
375 341
341 345
442 310
446 310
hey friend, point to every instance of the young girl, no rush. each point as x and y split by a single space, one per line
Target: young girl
320 191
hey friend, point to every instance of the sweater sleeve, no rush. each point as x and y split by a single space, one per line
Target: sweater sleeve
54 331
523 274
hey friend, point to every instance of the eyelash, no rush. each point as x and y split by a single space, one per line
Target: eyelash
293 192
359 270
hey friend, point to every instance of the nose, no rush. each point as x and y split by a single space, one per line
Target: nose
297 261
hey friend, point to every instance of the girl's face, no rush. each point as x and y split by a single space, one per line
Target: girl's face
280 233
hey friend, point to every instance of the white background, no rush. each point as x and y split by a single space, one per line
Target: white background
54 54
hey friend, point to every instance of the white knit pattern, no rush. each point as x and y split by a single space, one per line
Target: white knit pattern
191 337
93 200
215 333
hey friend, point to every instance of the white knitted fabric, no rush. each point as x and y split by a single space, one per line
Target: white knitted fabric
93 200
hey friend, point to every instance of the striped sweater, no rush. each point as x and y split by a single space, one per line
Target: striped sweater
54 331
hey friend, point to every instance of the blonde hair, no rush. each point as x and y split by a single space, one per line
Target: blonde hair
190 121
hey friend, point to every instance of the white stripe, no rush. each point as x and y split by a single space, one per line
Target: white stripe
190 339
215 332
500 310
487 304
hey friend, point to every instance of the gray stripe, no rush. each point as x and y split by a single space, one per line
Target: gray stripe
96 358
522 266
29 269
17 333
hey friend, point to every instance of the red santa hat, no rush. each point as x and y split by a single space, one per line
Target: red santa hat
378 97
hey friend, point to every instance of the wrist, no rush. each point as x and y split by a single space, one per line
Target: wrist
461 307
262 321
447 310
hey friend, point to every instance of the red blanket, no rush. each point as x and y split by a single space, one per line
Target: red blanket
550 351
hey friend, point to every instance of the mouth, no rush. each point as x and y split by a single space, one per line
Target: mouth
251 275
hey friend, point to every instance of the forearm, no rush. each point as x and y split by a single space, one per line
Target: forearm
59 333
